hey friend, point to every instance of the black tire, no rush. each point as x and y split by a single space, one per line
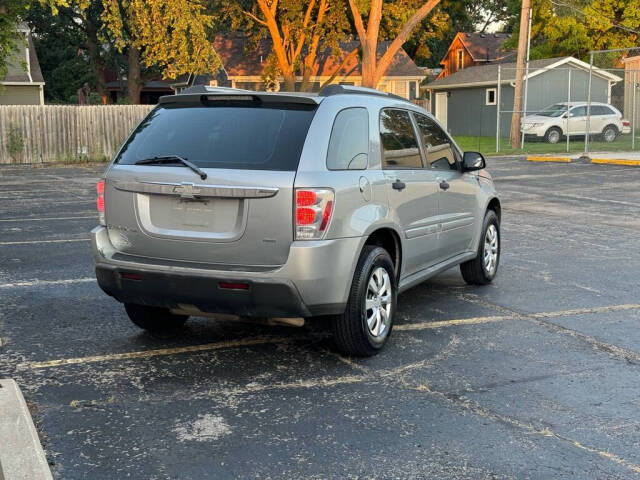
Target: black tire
155 319
609 133
474 271
550 137
351 333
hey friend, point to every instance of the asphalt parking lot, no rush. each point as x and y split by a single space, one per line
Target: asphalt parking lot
535 376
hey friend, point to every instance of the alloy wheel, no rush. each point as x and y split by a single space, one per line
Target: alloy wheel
378 302
490 255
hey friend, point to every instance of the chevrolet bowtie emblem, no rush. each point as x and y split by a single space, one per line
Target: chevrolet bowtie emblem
187 190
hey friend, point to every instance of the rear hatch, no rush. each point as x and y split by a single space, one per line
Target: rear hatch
248 146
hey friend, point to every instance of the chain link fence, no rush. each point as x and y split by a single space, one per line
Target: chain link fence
568 107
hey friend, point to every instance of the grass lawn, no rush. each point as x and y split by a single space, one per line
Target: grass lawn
487 146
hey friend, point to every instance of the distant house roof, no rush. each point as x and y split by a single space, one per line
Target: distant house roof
238 60
488 74
486 47
23 56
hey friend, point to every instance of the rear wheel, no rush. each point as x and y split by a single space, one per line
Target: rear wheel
553 135
482 269
364 328
154 319
610 133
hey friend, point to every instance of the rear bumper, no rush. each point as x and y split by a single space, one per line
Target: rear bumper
315 280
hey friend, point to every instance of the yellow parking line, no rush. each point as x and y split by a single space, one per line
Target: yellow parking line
451 323
268 340
616 161
549 159
155 353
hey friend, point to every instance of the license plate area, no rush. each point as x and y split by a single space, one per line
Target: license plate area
216 219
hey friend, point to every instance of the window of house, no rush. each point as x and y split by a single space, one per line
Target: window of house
349 142
438 150
398 139
412 90
460 59
490 96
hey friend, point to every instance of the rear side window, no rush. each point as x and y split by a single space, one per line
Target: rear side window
223 135
398 139
601 110
349 143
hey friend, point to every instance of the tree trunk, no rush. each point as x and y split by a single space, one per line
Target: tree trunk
96 62
369 63
134 81
289 81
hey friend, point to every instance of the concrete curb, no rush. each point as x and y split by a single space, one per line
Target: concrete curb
549 159
616 161
21 455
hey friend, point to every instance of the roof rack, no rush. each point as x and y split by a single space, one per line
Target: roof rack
331 90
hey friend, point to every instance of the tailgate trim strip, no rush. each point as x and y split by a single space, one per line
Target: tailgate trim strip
192 190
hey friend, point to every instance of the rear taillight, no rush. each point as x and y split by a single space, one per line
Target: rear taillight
313 209
100 201
626 123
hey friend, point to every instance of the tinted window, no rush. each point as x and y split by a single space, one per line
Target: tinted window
579 112
601 110
223 135
438 150
399 144
349 143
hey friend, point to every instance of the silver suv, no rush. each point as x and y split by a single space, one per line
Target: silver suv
288 206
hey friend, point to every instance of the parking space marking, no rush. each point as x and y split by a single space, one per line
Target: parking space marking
38 283
528 427
614 350
405 327
45 219
450 323
32 242
246 342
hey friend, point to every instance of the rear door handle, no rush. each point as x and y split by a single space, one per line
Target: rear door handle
444 185
398 185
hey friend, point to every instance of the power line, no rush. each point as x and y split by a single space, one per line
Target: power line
613 24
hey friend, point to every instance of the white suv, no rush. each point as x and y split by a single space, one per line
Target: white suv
562 119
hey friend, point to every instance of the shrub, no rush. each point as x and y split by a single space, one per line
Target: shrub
15 143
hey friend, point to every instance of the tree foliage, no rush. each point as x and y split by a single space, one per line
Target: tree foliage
563 27
170 34
297 30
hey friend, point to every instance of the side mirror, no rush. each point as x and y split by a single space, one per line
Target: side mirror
565 115
472 161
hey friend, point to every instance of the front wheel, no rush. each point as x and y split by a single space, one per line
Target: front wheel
364 328
553 135
482 269
154 319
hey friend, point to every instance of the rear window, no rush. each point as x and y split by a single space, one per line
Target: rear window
223 135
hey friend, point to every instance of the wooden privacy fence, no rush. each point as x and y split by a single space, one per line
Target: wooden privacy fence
53 133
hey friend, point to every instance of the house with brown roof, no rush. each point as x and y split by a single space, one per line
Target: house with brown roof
473 49
23 83
243 67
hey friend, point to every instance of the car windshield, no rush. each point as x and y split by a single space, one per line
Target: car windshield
553 110
224 135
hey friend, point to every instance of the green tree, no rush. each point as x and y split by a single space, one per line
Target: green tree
171 35
562 28
11 13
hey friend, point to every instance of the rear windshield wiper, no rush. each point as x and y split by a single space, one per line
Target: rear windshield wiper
173 159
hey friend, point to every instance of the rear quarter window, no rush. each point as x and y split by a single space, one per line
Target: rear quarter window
238 135
349 142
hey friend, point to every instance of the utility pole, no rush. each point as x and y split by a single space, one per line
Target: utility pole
517 97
